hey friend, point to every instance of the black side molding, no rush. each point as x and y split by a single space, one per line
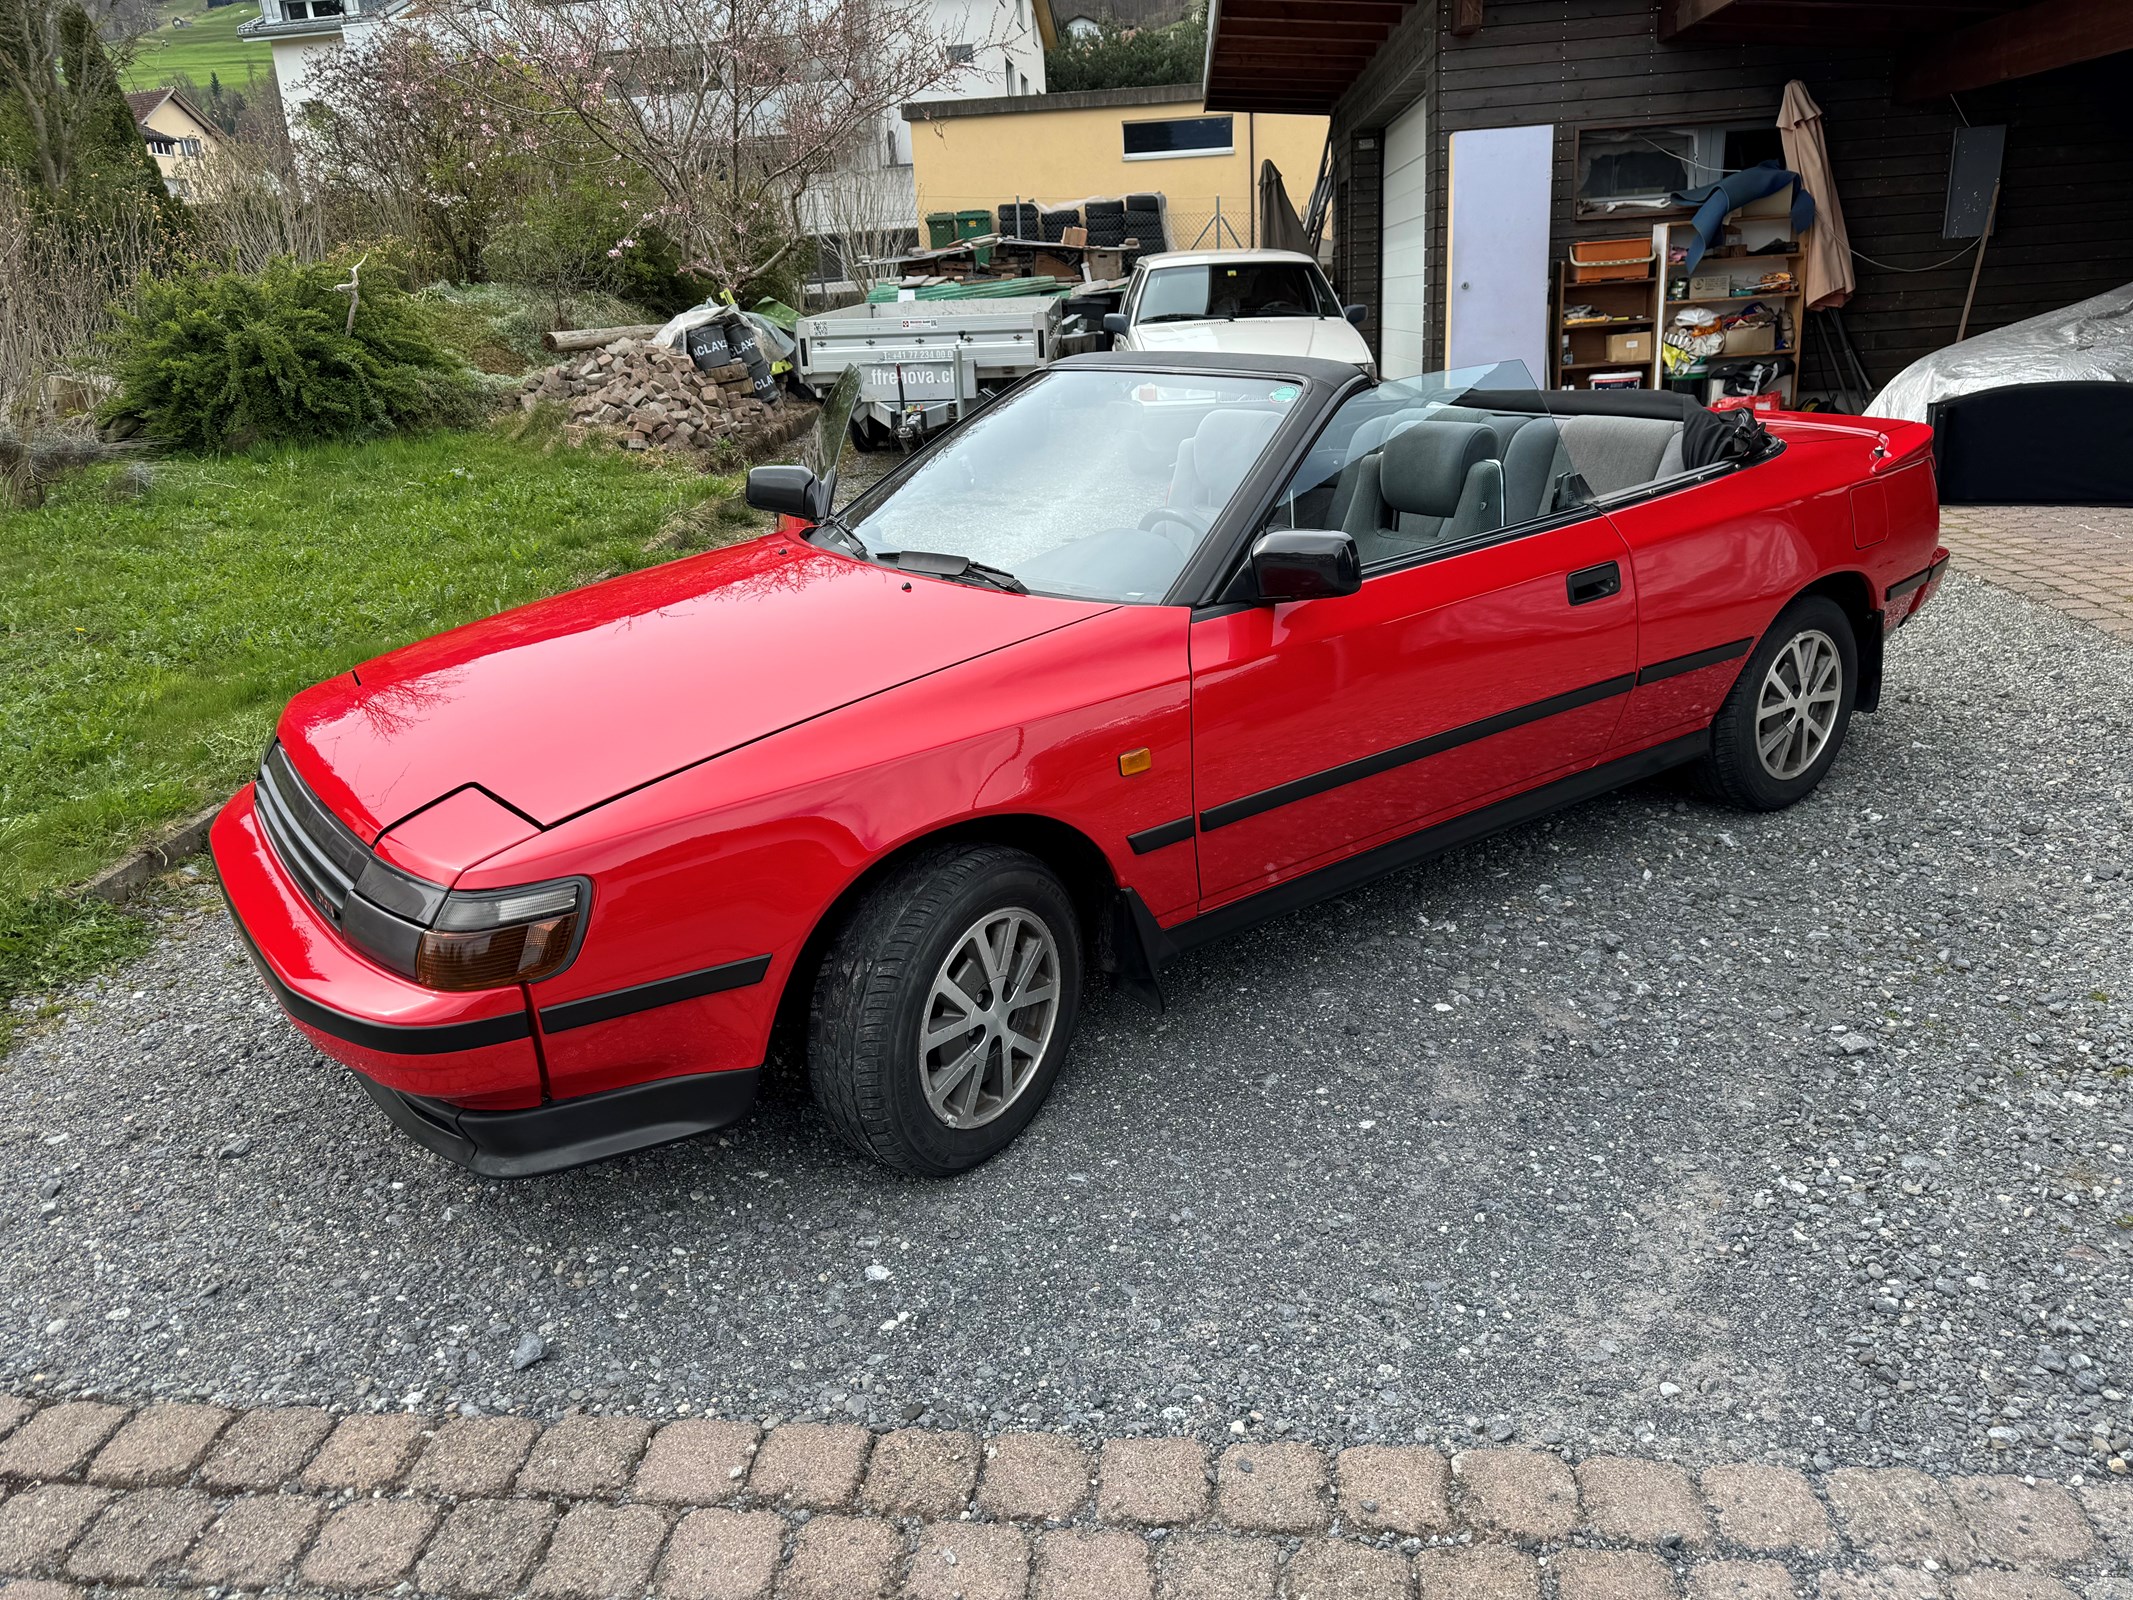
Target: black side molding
1159 946
1917 580
644 996
435 1039
1674 668
569 1133
1415 750
1166 833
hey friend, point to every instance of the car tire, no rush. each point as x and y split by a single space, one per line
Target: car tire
884 989
1769 747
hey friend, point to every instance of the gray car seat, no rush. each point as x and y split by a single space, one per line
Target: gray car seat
1215 459
1432 484
1617 453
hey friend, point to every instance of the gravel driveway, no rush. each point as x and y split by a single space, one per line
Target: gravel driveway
1655 1127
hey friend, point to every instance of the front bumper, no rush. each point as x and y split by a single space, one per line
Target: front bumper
569 1133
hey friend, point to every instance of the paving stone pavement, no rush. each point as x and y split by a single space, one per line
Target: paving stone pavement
2077 559
168 1500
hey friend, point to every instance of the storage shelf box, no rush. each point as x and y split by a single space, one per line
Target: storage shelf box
1610 260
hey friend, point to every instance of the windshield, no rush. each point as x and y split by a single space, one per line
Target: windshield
1235 289
1091 484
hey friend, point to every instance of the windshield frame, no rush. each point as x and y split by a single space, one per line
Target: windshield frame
1321 293
1229 535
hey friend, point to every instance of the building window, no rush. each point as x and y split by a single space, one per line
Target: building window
191 147
1084 28
1638 171
962 54
1178 136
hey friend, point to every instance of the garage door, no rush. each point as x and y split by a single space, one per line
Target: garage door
1401 338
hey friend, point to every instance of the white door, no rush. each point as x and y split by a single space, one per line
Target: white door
1496 299
1402 336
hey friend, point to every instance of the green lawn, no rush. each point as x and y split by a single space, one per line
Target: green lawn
207 46
147 646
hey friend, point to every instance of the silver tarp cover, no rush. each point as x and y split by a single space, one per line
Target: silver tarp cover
2090 342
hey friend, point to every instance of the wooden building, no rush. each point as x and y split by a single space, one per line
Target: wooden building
1895 79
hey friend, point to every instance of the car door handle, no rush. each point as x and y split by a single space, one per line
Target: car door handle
1595 583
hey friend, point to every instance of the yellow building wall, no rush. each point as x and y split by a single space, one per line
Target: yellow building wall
970 163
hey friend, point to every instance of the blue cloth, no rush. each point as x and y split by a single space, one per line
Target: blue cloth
1717 201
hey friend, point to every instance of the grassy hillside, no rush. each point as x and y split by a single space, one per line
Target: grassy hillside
208 44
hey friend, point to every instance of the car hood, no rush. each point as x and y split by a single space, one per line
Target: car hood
1325 338
560 705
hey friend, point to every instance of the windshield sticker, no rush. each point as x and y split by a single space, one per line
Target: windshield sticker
1283 395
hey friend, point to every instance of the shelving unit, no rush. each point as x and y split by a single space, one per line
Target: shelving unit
1631 305
1759 225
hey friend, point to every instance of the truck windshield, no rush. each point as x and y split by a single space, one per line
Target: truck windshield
1228 290
1090 484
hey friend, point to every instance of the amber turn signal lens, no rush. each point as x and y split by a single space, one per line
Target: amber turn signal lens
495 957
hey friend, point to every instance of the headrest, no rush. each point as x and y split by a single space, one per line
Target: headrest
1422 470
1226 444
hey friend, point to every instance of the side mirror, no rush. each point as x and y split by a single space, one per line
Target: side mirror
789 491
1355 314
1305 564
1114 323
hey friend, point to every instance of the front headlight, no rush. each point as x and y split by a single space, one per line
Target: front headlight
485 939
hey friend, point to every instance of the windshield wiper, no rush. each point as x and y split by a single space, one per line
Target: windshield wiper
957 569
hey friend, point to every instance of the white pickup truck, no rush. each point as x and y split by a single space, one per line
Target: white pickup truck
1251 302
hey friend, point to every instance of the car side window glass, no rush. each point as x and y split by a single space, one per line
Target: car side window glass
1415 466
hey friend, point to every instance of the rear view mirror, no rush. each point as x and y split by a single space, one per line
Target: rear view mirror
1114 323
1306 564
789 491
1355 314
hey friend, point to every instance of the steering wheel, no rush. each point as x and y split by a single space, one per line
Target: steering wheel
1192 521
1273 306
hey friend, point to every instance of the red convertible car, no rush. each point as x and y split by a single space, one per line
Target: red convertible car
1151 647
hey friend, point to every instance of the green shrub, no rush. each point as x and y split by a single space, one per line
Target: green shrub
225 360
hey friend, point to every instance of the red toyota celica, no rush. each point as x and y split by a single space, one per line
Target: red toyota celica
1146 650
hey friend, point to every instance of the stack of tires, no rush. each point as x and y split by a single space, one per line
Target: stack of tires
748 350
1144 220
1053 225
1019 221
1107 223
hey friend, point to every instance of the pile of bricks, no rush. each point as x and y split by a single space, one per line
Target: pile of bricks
292 1499
651 395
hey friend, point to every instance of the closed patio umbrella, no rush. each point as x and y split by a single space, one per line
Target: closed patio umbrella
1826 279
1278 227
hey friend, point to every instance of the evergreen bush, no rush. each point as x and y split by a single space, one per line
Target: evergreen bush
224 360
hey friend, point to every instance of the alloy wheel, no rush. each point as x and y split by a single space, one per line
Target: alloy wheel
1797 706
989 1017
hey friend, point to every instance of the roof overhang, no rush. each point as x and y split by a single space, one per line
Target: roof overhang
1292 55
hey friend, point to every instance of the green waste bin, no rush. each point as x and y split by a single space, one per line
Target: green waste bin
940 229
972 225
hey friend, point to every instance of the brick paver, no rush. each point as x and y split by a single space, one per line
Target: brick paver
1154 1482
609 1508
474 1456
367 1453
2077 559
1271 1488
1767 1509
58 1441
722 1555
2017 1524
582 1456
255 1541
1216 1566
697 1461
158 1446
265 1449
1648 1502
811 1464
1073 1563
486 1547
1033 1477
969 1561
1525 1493
914 1473
1899 1515
602 1553
841 1558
